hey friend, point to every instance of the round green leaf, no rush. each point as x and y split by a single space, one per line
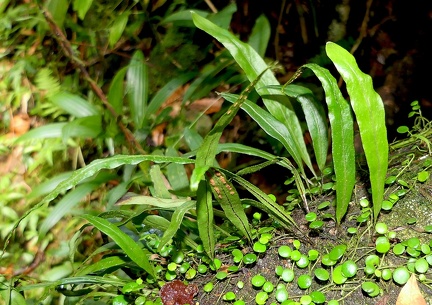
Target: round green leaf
381 228
258 280
398 249
337 252
422 176
268 287
284 251
386 274
237 255
229 296
382 244
295 255
401 275
371 289
321 274
221 275
304 281
287 275
305 299
318 297
261 297
337 276
303 262
208 287
349 268
249 258
317 224
259 247
281 294
421 265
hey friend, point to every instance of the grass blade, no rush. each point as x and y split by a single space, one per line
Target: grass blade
205 220
229 200
369 111
127 244
342 134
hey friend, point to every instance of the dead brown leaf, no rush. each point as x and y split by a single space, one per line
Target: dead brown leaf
410 293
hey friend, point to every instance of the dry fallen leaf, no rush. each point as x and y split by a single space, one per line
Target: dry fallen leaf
410 293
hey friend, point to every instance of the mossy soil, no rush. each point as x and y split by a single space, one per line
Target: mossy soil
415 204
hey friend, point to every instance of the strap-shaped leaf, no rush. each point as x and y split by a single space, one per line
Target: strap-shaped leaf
269 124
342 134
137 89
253 65
369 111
228 198
127 244
315 119
205 220
103 264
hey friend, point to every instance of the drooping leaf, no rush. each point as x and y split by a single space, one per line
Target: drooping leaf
127 244
342 134
228 198
159 188
276 103
176 173
268 123
205 219
369 111
137 88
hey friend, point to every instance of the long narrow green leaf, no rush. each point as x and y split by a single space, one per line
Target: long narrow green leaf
205 220
369 110
268 123
206 153
253 65
91 169
176 173
127 244
65 205
53 130
117 28
260 35
175 222
342 133
229 200
87 127
103 264
137 89
74 104
116 91
315 119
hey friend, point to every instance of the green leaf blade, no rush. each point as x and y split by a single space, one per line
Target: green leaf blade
137 88
127 244
205 219
342 133
369 110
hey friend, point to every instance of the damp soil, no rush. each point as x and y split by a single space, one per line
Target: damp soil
405 163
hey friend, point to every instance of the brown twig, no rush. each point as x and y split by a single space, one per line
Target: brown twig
69 52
